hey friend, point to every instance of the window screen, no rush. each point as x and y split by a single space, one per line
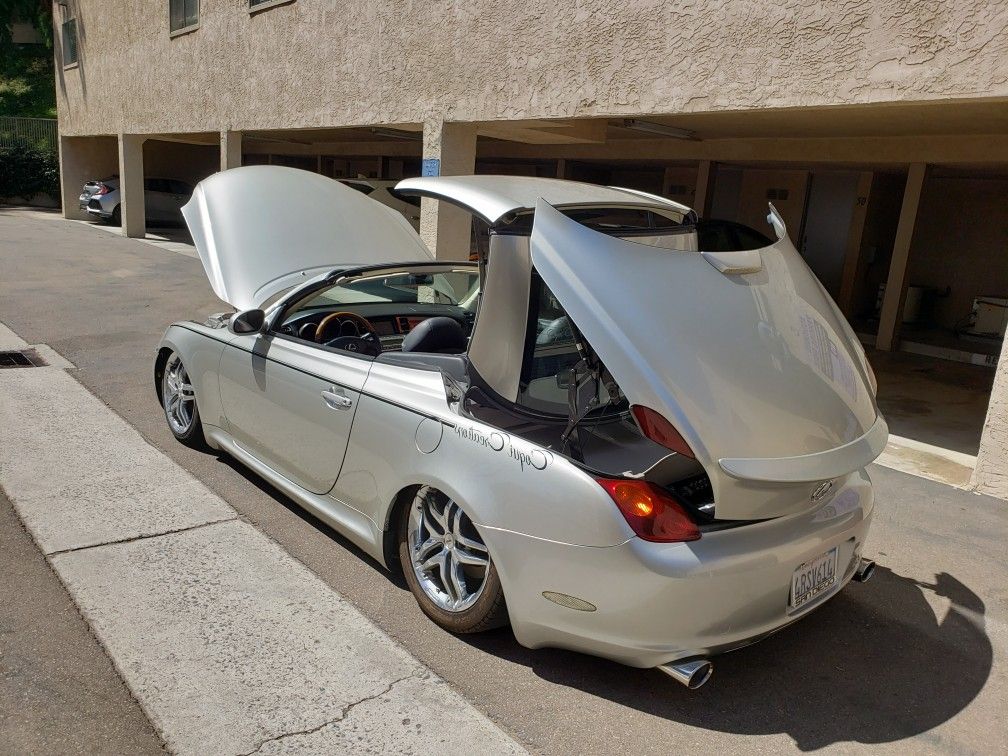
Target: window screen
69 41
182 14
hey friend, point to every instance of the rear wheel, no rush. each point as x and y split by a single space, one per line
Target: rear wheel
179 401
116 219
447 565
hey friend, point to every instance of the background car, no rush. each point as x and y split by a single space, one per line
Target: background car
163 199
380 191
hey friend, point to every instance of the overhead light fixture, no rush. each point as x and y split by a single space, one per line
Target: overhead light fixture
397 134
659 128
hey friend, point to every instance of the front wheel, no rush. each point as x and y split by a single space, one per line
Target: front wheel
179 402
447 566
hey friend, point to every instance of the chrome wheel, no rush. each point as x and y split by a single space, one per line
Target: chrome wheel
178 396
449 559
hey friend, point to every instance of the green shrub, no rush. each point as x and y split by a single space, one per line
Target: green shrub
25 171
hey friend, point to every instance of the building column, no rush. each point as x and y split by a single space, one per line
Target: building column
449 149
230 149
895 290
131 185
991 473
852 256
701 198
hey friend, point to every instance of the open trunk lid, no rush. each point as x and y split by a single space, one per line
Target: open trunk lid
262 229
744 353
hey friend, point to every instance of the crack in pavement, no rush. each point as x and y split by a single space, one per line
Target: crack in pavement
340 717
141 537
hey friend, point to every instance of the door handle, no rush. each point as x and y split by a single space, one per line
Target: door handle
337 400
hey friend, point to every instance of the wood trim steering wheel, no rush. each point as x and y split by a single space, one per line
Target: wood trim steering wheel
363 325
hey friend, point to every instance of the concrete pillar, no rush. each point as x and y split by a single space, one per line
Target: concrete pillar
701 199
449 149
131 185
230 149
81 160
895 291
852 257
991 473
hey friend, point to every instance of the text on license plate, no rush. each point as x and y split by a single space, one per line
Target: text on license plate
812 578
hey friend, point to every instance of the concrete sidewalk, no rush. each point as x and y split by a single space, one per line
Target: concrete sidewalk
228 643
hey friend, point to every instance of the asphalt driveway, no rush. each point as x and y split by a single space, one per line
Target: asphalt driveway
917 659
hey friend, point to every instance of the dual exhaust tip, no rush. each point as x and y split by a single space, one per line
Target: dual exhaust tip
864 571
692 673
696 672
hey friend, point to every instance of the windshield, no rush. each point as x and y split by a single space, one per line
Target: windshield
455 287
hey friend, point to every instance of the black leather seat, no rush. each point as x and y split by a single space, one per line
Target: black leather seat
436 336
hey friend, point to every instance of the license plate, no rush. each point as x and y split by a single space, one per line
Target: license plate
813 578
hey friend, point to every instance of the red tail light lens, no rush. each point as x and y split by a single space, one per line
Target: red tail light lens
652 514
102 189
660 430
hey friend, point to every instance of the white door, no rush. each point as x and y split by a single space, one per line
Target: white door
827 225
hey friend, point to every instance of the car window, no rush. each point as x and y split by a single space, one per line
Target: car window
179 187
450 287
749 238
550 353
715 237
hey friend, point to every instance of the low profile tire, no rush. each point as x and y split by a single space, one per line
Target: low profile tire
179 402
116 219
447 565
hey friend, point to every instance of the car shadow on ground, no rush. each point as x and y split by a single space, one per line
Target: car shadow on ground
874 665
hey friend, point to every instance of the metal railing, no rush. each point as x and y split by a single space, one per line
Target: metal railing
40 132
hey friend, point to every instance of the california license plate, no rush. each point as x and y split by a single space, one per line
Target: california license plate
813 578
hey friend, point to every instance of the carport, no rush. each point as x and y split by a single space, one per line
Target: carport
901 210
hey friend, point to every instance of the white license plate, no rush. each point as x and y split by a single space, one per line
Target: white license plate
813 578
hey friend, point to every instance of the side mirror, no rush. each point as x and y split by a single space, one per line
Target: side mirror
249 321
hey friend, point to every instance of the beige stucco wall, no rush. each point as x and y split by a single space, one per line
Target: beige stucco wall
333 63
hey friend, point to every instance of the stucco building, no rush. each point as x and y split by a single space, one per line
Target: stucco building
879 128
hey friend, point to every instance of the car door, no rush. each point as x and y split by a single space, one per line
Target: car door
291 404
156 200
180 194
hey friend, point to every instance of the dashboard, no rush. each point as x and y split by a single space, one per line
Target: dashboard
391 321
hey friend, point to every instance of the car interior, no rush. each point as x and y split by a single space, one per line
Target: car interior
424 311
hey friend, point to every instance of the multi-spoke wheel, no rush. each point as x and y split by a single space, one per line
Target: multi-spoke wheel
447 565
179 401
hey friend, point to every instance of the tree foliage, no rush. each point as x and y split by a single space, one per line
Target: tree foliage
25 171
27 85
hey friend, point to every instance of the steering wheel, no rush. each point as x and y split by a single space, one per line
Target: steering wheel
366 341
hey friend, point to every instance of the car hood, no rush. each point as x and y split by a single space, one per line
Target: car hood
744 352
262 229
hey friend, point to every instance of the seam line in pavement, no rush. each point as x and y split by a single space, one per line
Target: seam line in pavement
142 537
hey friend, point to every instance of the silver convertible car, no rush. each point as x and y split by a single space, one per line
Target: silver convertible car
613 441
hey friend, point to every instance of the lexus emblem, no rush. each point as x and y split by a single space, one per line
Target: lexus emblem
821 490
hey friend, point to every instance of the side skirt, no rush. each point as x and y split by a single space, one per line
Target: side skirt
349 522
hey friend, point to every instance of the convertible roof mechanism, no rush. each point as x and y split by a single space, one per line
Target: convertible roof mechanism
495 197
261 229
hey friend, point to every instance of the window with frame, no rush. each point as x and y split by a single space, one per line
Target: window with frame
182 14
69 37
551 354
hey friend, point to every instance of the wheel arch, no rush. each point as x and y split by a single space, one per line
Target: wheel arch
390 538
159 365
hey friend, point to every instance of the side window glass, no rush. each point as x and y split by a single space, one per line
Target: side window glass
751 239
550 354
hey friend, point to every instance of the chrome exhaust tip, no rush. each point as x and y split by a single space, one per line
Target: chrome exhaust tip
864 571
692 674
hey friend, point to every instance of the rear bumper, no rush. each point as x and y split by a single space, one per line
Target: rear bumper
658 603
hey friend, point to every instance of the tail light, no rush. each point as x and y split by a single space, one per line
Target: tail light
660 430
102 189
650 512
